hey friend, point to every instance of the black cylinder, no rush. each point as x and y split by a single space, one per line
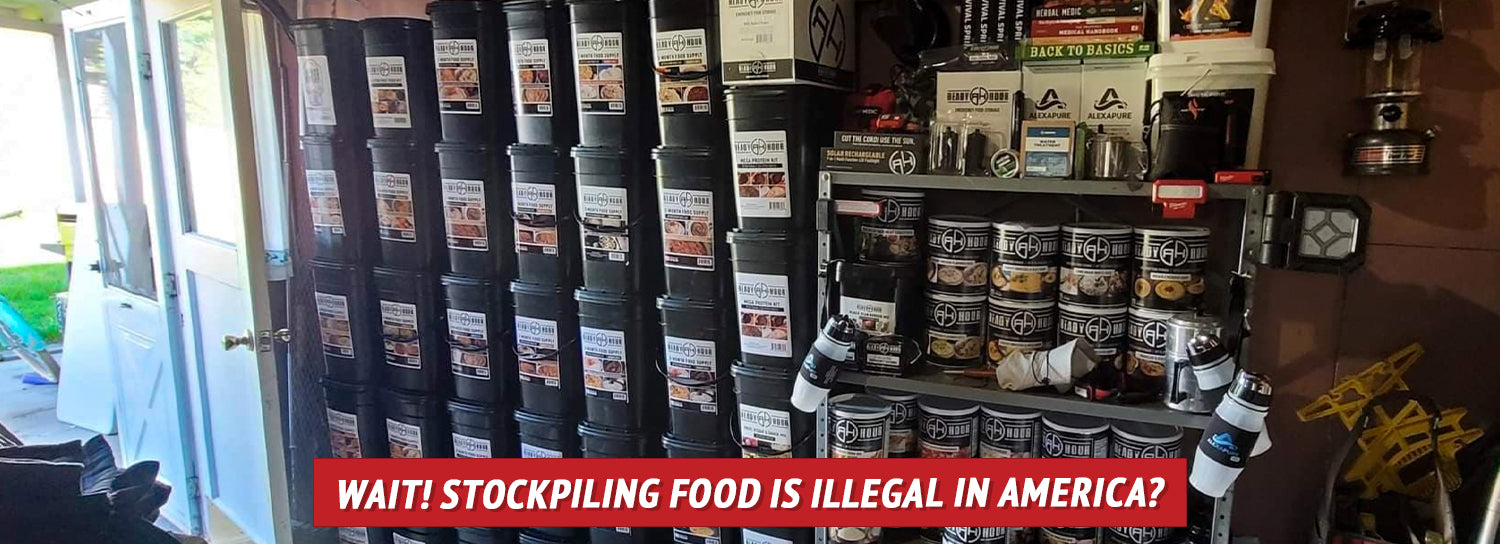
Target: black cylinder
341 199
330 64
482 431
775 136
545 437
617 210
677 448
411 331
487 535
355 426
346 322
689 87
776 293
408 205
416 426
613 71
476 209
471 54
696 210
424 535
600 442
627 535
541 52
547 357
399 66
620 387
546 240
794 535
768 424
478 318
697 351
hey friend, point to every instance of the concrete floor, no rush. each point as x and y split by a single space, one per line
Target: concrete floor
30 411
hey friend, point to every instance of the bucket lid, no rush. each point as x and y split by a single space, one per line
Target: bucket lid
532 418
1077 424
460 6
1179 231
1010 412
859 406
740 368
462 147
1240 61
960 221
333 266
682 151
357 388
536 289
892 394
465 281
471 407
667 302
591 430
599 152
526 4
750 236
396 275
1096 228
673 443
531 149
597 296
943 406
321 22
402 22
380 143
1150 434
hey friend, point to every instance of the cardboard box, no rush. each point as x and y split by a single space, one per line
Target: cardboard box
1114 96
982 100
901 161
788 41
1053 90
1047 149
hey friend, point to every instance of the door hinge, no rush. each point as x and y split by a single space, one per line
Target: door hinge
1315 232
145 65
169 284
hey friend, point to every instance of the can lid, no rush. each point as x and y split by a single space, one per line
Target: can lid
1072 423
1010 412
671 442
666 302
943 406
596 296
402 22
1025 226
1097 228
1143 432
892 193
859 406
748 236
682 151
892 394
531 149
470 407
1178 231
465 281
523 416
380 143
451 6
538 289
960 221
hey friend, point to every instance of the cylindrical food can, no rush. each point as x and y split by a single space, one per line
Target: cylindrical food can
1095 264
901 438
858 426
1182 389
946 428
854 535
892 235
1006 432
1069 535
1024 257
1068 436
1024 326
977 535
1132 440
956 247
1145 363
1169 263
955 329
1103 327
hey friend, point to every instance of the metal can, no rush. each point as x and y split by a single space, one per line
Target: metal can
858 426
1182 391
1103 327
1169 265
1019 326
946 428
976 535
956 247
1007 433
1069 535
1024 257
1146 362
901 438
891 236
955 330
1095 266
1133 440
1068 436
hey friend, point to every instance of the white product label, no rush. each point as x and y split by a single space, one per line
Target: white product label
765 427
687 229
398 327
531 69
457 76
390 106
605 207
405 439
464 214
354 535
601 72
681 53
396 538
765 319
536 351
343 434
468 333
691 362
529 451
317 90
394 206
323 197
762 186
873 317
333 323
752 537
604 373
468 447
535 208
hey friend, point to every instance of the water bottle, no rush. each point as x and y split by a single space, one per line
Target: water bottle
1213 366
1232 436
821 366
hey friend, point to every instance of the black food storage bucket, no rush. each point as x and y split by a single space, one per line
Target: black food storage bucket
539 535
340 199
794 535
620 387
768 425
705 535
408 205
482 431
696 211
411 330
364 535
477 320
486 535
700 392
678 448
476 209
616 210
399 68
547 357
601 442
542 195
424 535
626 535
776 294
470 50
689 89
416 426
613 72
544 437
346 322
775 137
541 62
330 64
355 428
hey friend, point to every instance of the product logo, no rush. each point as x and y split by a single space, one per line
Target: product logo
758 146
952 240
944 315
978 96
1140 535
967 535
1225 445
1027 246
462 188
1110 100
392 181
529 48
826 32
1154 334
385 69
1052 444
845 432
902 162
764 419
1050 100
757 68
1173 252
601 199
935 428
687 350
538 328
679 42
681 199
448 47
899 413
1154 451
1095 249
1097 330
532 192
596 43
761 290
1023 323
890 210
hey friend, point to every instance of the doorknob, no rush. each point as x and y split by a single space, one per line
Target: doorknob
232 341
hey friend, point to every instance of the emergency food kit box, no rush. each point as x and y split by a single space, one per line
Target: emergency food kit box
879 152
980 98
788 41
1053 90
1114 97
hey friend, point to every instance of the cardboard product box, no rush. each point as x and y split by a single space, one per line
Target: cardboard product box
877 140
1082 9
1114 29
1114 96
982 101
788 41
1047 149
903 161
1053 90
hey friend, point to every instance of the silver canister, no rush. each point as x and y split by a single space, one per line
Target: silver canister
1109 157
1182 391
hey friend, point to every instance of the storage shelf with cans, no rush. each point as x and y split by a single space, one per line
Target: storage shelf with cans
1030 185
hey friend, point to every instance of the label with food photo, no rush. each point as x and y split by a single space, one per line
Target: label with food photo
537 352
333 323
393 205
469 447
765 427
687 229
343 434
317 90
752 537
390 106
679 55
606 246
874 317
405 439
956 275
536 239
955 329
398 327
696 535
1094 286
601 72
535 209
464 214
1023 281
691 362
529 451
1166 290
531 69
323 197
604 372
457 76
354 535
762 185
469 336
888 244
765 318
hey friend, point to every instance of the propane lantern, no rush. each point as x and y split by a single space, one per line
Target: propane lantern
1391 35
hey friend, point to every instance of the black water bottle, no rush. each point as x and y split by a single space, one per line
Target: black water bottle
821 366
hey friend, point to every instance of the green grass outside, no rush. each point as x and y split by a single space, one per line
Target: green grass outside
30 288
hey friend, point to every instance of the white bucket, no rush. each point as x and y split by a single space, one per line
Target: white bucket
1247 27
1239 76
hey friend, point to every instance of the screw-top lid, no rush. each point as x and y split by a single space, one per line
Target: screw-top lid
1253 389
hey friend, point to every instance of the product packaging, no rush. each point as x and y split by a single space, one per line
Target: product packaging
1053 90
788 41
901 154
1114 97
1047 149
976 112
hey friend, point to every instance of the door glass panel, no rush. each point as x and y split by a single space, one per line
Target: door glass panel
208 175
114 152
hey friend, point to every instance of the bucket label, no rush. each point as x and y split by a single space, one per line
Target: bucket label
469 336
343 434
687 229
604 206
396 538
680 55
398 328
752 537
394 206
468 447
457 76
535 207
531 69
765 428
529 451
760 172
604 372
1196 20
405 439
857 438
354 535
536 351
601 72
692 361
765 319
464 214
872 317
317 90
389 105
697 535
323 197
333 323
1072 445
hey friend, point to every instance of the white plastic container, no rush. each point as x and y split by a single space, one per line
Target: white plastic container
1248 25
1241 77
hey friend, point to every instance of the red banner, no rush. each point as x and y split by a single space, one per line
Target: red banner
749 492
